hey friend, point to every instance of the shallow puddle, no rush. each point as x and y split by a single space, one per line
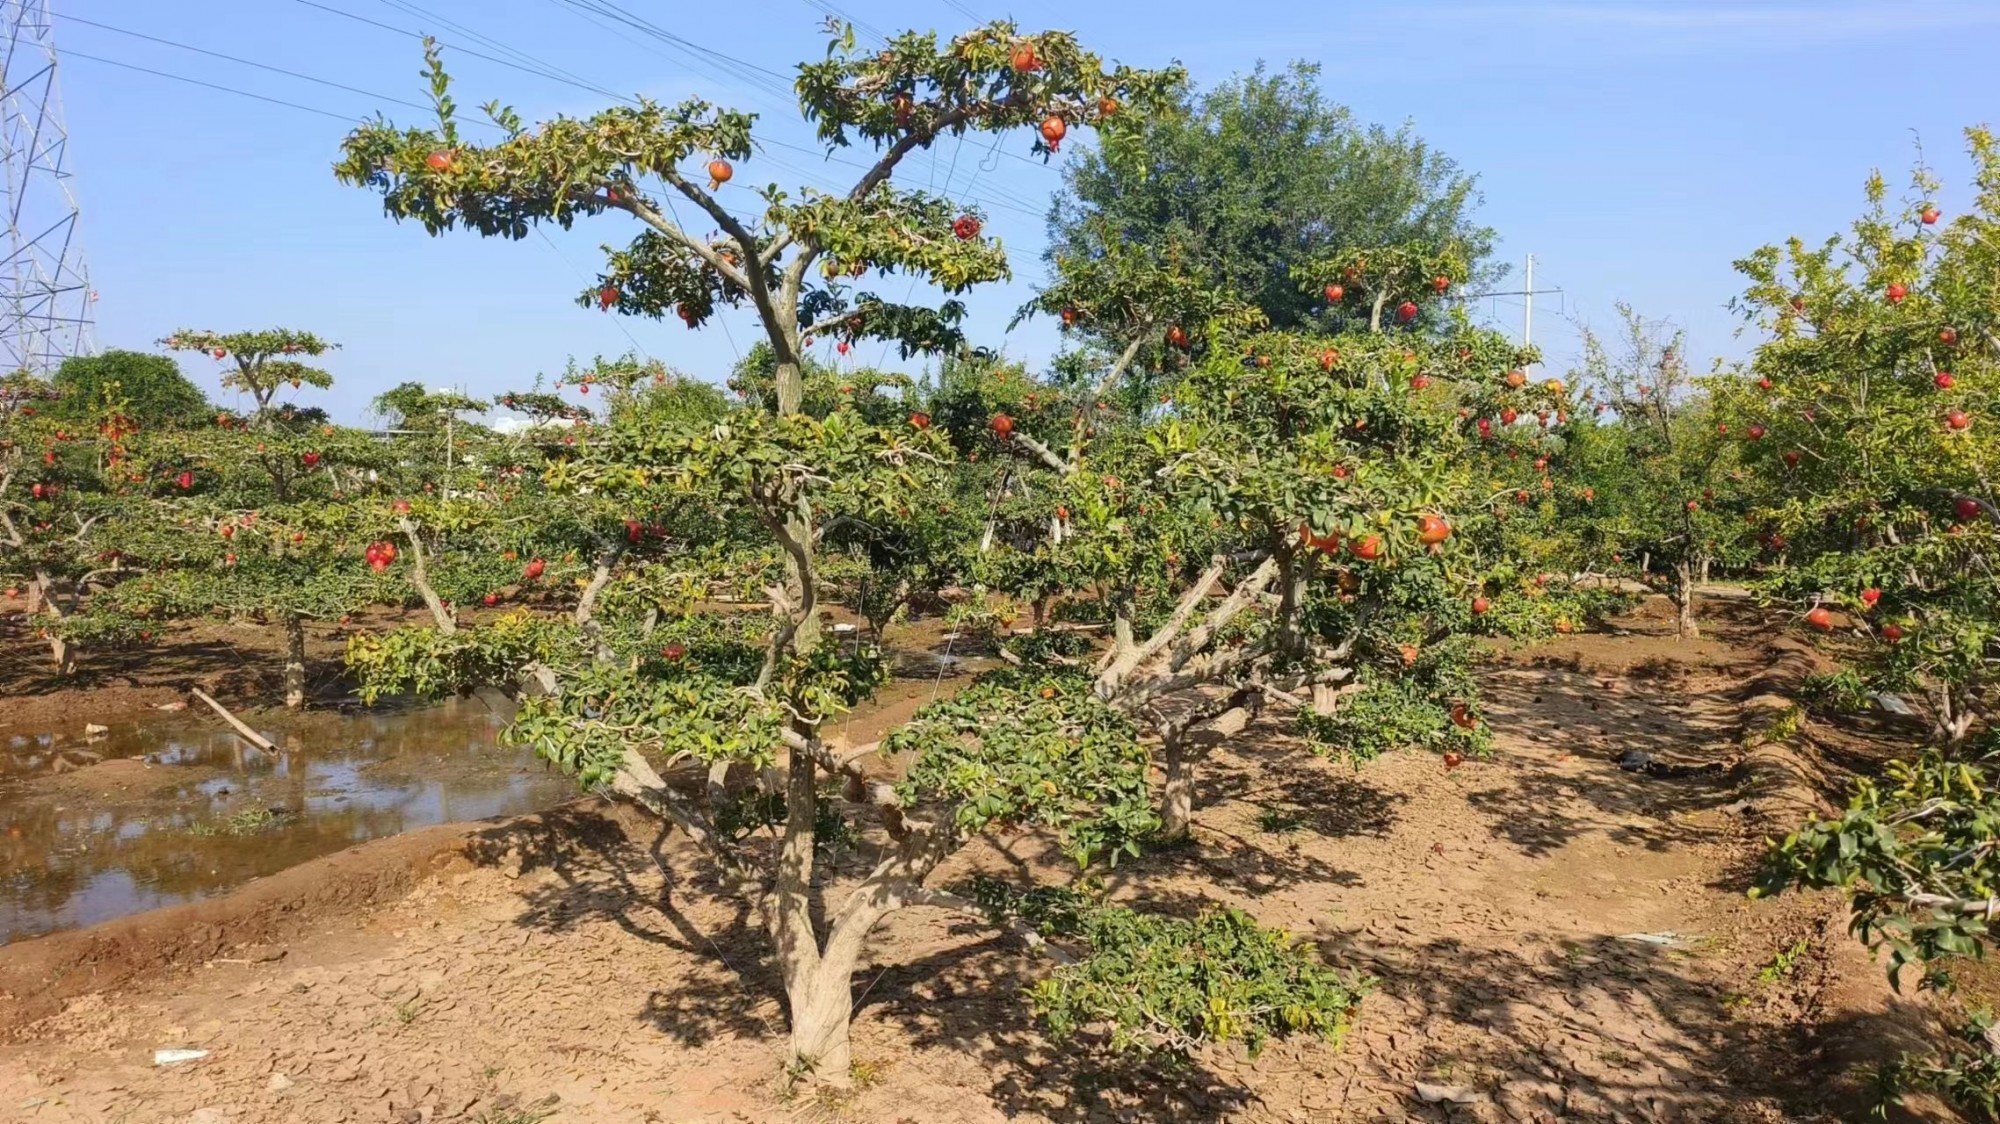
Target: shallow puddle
181 809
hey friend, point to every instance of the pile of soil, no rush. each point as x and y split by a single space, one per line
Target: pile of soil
1550 937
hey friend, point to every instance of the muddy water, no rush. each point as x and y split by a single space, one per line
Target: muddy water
179 809
95 826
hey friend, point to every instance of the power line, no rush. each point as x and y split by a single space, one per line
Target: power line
467 51
346 117
243 61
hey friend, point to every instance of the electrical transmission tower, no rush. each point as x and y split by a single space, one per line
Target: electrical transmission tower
45 294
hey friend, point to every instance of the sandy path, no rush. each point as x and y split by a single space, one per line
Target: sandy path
1492 903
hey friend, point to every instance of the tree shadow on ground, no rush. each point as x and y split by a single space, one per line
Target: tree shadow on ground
601 871
1691 765
1635 1030
968 999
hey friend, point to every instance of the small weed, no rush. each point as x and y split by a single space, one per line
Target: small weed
1277 822
250 821
1612 1056
406 1013
1734 1002
1785 962
509 1112
514 1116
491 1072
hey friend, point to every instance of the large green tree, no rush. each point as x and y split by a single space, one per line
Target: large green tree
749 698
149 390
1259 175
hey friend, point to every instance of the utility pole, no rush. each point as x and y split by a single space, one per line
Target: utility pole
1528 305
1528 301
45 294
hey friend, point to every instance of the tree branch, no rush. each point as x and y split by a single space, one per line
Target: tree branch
944 899
1103 386
420 577
1043 453
699 248
1113 676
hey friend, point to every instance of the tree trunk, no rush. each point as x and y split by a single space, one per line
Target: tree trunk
822 1006
1704 568
1684 626
295 662
1291 603
64 654
1177 799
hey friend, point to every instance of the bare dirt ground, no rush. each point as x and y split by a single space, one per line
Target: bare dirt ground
1552 937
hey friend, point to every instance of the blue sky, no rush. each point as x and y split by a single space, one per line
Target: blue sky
1635 148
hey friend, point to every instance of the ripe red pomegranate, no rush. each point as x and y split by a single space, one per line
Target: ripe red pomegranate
1764 384
1792 458
1480 605
841 347
228 529
1929 216
1508 414
965 228
1054 129
1334 293
1432 529
1406 312
220 353
1069 317
719 173
1947 336
1024 59
310 459
606 297
1820 619
1367 549
1440 284
1966 508
1870 596
1453 759
1943 380
439 161
1892 632
674 650
400 507
1516 378
490 600
1420 382
920 420
634 530
185 480
1755 432
1896 293
1957 419
534 569
1485 427
1722 428
1003 426
1328 358
1177 336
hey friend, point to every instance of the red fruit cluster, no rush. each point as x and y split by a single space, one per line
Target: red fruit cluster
380 555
